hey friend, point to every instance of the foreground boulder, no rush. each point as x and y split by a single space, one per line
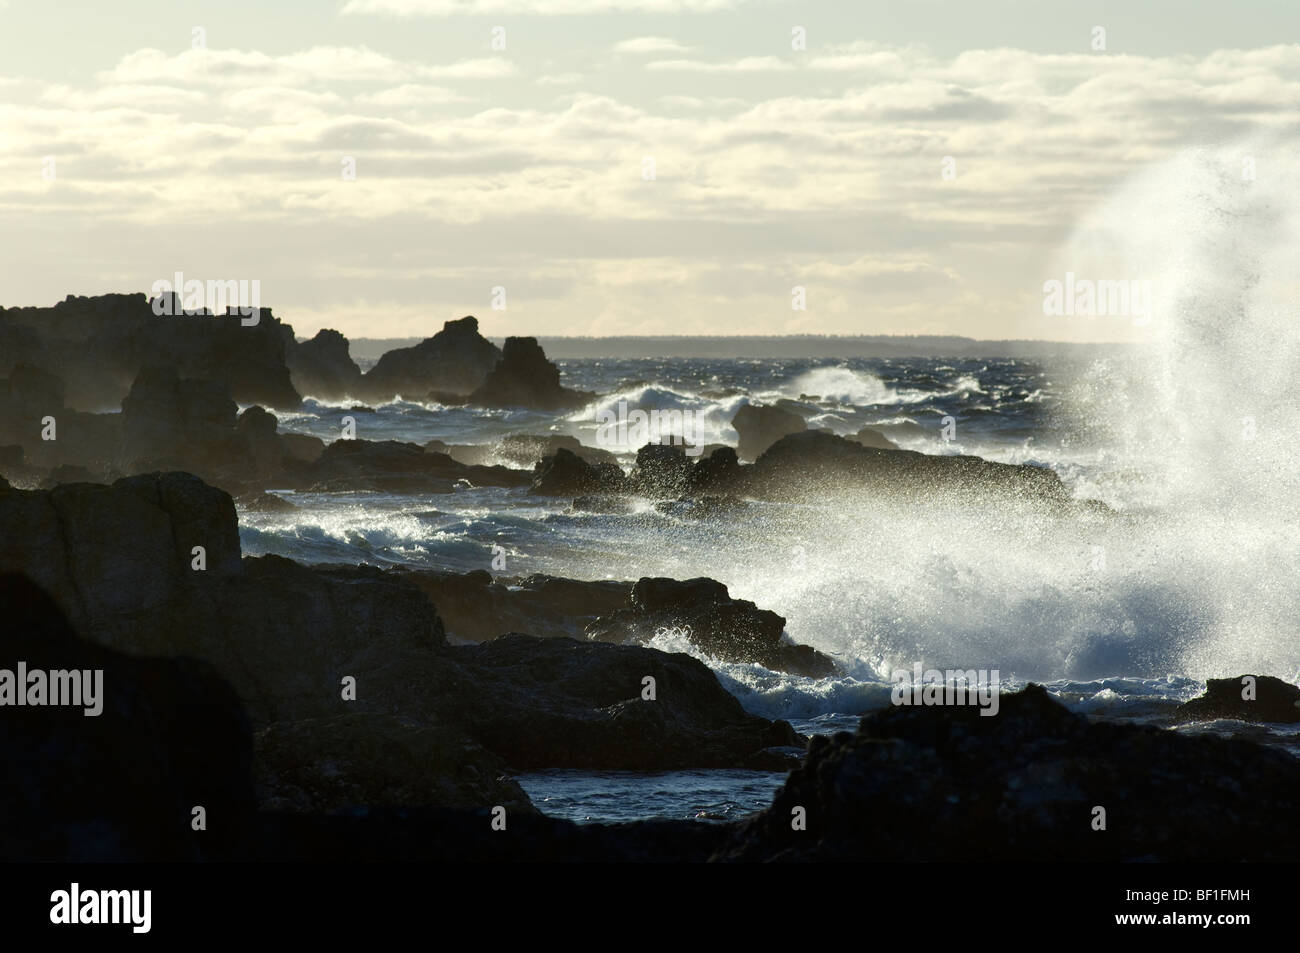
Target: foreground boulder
945 783
302 643
562 703
122 784
1260 698
733 630
329 765
525 378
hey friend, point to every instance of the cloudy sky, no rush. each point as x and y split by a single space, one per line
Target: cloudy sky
617 166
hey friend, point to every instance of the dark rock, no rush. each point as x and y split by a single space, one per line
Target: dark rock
525 378
815 463
718 473
662 470
564 473
301 446
946 783
166 417
292 633
462 836
259 501
759 427
35 391
873 438
98 346
394 467
119 560
327 765
475 608
1274 701
120 785
457 359
733 630
563 703
323 367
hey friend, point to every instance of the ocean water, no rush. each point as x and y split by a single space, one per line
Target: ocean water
1120 616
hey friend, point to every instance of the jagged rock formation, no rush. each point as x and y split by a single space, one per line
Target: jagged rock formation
99 345
323 367
525 378
456 360
733 630
121 562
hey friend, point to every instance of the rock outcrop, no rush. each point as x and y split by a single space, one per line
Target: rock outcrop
1257 698
394 467
323 367
99 345
732 630
525 378
761 426
811 465
946 783
456 360
121 784
123 563
564 473
544 703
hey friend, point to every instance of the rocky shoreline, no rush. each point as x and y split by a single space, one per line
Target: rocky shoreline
349 712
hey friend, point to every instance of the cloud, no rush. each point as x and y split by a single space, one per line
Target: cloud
328 65
650 44
748 64
446 8
819 173
412 94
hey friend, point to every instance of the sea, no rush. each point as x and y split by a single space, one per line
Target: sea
1123 612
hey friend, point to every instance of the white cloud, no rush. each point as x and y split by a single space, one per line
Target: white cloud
329 65
826 175
650 44
444 8
413 94
748 64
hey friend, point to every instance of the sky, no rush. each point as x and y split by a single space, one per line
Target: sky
616 167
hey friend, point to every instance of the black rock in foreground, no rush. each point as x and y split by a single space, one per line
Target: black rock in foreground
946 783
1261 698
